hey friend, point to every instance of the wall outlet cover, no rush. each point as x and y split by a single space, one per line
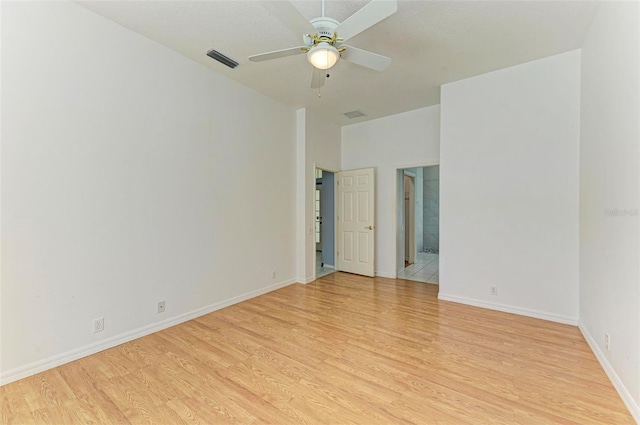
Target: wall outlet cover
98 324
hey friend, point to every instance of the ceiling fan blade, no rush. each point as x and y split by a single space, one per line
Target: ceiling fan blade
374 12
276 54
291 17
317 78
365 58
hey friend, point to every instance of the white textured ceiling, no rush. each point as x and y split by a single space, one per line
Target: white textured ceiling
430 43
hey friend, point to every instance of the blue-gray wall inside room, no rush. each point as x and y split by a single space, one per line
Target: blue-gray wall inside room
431 205
327 235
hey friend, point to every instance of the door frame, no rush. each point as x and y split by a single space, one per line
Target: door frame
411 255
399 234
335 227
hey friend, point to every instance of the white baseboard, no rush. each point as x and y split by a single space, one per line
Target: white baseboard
625 395
385 274
305 280
75 354
329 266
559 318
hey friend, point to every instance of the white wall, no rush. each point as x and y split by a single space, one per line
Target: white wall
130 175
610 194
509 188
318 145
398 141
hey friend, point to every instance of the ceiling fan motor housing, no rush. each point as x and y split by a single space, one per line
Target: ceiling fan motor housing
326 28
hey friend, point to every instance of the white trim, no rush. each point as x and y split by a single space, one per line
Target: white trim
15 374
323 168
552 317
412 209
328 266
625 395
385 274
305 280
417 165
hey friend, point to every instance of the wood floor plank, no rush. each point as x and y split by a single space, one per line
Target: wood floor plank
13 405
99 406
345 349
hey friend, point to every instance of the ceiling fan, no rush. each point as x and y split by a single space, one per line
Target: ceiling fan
323 37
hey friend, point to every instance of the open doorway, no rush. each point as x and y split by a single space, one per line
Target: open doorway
325 222
418 215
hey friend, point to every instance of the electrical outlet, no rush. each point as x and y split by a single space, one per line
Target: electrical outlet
98 325
161 307
607 342
273 274
493 290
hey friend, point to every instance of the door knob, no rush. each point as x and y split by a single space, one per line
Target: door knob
368 227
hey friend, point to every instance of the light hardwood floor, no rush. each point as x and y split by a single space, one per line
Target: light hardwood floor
344 349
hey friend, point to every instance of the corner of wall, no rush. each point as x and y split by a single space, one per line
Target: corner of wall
622 390
300 193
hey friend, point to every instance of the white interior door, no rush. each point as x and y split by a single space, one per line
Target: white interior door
356 231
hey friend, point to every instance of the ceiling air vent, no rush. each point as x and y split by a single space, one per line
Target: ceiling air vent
214 54
354 114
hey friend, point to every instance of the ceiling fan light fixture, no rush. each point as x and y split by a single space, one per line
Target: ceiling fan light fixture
323 56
